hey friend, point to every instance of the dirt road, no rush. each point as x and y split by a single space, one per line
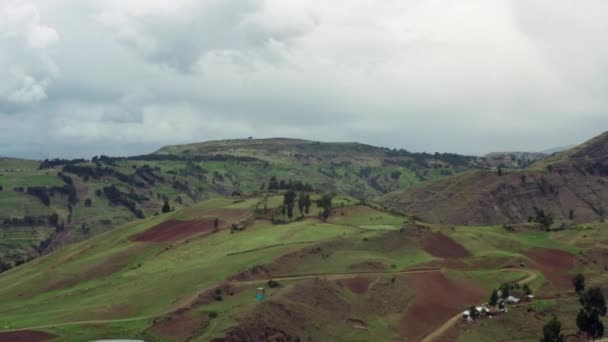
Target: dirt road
448 324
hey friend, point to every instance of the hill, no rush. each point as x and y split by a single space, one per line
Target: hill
46 204
571 186
363 274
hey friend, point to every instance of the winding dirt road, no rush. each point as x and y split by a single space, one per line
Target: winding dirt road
448 324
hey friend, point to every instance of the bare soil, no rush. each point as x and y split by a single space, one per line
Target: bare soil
173 230
25 336
442 246
555 265
437 298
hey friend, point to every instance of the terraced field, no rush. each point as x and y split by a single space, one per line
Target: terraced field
363 275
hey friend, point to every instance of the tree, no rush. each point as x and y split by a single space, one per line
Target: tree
307 204
527 290
593 300
505 291
552 331
301 202
493 298
589 322
325 204
273 185
473 313
166 207
579 283
216 223
593 306
87 202
499 171
289 202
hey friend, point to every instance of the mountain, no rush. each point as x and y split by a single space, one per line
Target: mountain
46 204
571 186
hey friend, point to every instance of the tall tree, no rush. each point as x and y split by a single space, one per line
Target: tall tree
593 306
579 283
166 207
325 204
289 202
505 290
493 298
552 331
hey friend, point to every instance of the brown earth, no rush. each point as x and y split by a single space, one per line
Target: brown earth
173 230
437 299
104 268
442 246
180 326
25 336
357 285
555 265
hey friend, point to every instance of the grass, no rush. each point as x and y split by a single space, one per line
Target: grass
140 272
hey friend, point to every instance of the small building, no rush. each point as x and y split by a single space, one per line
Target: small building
260 293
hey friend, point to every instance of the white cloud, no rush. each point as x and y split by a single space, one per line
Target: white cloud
26 70
469 76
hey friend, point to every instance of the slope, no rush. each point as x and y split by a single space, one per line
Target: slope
572 186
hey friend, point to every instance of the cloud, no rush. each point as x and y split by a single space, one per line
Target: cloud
26 69
179 33
468 77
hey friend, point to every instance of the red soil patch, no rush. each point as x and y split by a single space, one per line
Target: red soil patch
25 336
357 285
174 230
180 326
554 264
442 246
437 298
104 268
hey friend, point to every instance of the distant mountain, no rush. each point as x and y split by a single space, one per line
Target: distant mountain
571 185
557 149
513 159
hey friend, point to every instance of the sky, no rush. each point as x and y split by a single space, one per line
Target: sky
80 78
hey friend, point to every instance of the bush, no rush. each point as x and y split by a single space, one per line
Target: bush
273 284
213 314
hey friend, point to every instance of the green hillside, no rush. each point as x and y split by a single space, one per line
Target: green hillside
77 199
363 274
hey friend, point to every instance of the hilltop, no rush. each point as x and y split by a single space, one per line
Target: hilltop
571 186
47 204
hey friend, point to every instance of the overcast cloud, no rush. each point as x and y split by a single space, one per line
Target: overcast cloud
84 77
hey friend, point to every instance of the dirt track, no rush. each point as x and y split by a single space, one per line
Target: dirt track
448 324
330 276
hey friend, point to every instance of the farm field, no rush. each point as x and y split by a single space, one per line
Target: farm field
364 274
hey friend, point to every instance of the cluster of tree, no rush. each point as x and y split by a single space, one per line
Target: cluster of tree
422 159
147 174
99 171
117 197
325 203
28 221
41 192
184 187
593 306
195 158
51 163
289 201
542 218
274 184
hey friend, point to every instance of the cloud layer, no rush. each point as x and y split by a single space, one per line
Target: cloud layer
102 76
